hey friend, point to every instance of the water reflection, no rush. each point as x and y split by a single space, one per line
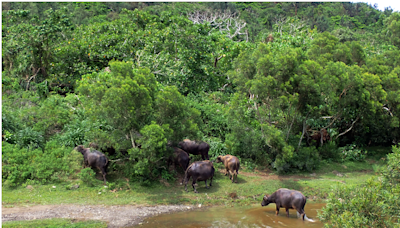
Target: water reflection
236 217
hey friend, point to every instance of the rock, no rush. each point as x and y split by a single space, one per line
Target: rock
30 187
313 174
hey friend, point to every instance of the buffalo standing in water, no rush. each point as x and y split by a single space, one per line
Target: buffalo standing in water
289 199
200 170
195 148
179 157
94 159
232 165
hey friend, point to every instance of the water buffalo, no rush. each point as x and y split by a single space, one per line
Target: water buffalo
195 148
317 137
232 165
200 170
179 157
289 199
94 159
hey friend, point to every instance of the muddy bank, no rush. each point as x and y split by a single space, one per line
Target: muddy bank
115 216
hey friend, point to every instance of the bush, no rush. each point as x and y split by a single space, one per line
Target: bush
352 153
29 138
87 176
217 147
151 157
363 206
374 204
330 151
54 164
304 159
392 171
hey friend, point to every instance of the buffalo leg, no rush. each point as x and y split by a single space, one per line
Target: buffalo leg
206 184
193 183
186 181
211 181
302 213
277 210
203 157
287 212
226 172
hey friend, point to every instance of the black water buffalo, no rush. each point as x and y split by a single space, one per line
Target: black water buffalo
289 199
232 165
199 171
195 148
94 159
179 157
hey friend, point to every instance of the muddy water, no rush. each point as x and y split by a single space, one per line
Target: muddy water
236 217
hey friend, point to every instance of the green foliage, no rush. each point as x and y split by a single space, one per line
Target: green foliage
29 43
87 176
129 99
53 164
305 159
352 153
375 204
392 171
217 147
329 151
151 156
150 65
369 205
212 112
393 28
30 139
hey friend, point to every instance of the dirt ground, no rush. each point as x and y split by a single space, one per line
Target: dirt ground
115 216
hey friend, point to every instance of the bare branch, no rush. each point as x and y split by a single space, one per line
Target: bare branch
33 76
226 22
348 129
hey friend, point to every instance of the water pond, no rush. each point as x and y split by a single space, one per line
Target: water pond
235 217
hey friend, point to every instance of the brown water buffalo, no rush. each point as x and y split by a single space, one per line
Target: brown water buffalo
232 165
94 159
199 171
289 199
195 148
320 137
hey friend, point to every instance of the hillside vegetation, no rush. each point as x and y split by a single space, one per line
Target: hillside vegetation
283 86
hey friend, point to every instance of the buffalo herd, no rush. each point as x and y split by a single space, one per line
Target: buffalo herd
203 171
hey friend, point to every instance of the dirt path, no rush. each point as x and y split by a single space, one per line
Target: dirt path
115 216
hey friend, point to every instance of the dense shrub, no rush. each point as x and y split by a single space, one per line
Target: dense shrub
29 138
54 164
352 153
150 159
392 171
304 159
374 204
217 147
87 176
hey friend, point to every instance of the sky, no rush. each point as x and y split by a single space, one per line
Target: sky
395 4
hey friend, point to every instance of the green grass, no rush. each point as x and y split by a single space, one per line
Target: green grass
50 223
250 189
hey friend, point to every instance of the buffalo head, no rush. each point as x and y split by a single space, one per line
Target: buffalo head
265 201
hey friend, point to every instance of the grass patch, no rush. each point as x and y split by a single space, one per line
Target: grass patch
249 190
345 167
50 223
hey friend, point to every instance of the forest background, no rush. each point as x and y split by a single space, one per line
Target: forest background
255 80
